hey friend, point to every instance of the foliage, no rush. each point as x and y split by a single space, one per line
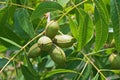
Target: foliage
94 24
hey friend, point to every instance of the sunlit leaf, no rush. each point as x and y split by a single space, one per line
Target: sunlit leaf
73 28
63 2
2 48
116 71
115 17
85 29
101 24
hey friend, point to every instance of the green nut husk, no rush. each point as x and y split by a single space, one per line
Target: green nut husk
115 61
45 43
34 51
58 55
51 29
64 41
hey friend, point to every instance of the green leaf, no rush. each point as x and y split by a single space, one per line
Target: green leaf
63 2
85 29
102 10
87 72
22 22
96 77
2 48
76 9
101 24
11 42
114 77
3 61
6 27
41 65
30 66
8 33
115 17
27 74
116 71
44 7
59 71
50 63
73 28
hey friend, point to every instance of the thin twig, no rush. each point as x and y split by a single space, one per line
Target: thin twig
98 70
82 70
72 9
21 50
14 4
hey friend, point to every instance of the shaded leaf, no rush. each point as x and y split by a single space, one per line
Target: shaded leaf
96 77
6 28
30 66
115 17
27 74
76 9
44 7
8 33
87 72
22 23
41 65
11 42
3 61
59 71
114 77
6 14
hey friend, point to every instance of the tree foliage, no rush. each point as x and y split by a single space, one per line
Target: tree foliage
94 25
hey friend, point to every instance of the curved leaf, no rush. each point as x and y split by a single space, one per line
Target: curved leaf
59 71
44 7
101 24
96 77
3 61
85 29
2 48
115 17
6 27
73 28
22 22
27 74
11 42
63 2
87 72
